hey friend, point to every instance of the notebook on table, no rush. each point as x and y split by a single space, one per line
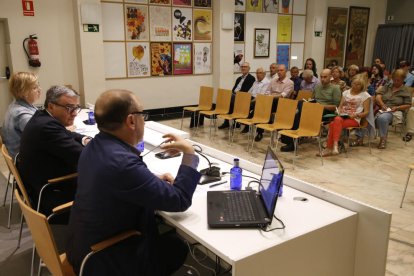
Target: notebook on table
248 208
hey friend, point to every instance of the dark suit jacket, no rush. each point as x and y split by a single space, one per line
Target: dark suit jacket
247 84
47 150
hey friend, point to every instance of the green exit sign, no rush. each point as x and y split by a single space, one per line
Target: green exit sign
92 28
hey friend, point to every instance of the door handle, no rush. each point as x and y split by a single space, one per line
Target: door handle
7 73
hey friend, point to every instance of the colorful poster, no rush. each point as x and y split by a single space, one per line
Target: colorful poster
160 2
335 36
182 24
161 58
239 26
270 6
202 58
285 6
136 22
357 36
254 5
203 25
202 3
138 59
182 3
238 56
284 28
240 5
138 1
183 62
282 56
160 23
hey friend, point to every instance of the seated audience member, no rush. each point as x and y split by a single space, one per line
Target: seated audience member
48 150
326 94
392 98
337 74
309 81
259 87
273 72
352 71
355 102
311 65
25 89
117 192
384 70
409 79
242 84
376 80
409 125
294 77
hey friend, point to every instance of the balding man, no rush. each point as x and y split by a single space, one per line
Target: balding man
117 192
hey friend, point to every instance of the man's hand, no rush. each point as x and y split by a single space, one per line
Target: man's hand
176 142
167 177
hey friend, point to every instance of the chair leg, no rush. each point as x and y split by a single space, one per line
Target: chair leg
7 189
405 189
295 144
182 118
198 120
320 149
254 135
11 204
277 139
33 260
348 133
234 129
19 241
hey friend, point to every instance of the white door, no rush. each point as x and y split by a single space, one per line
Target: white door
5 97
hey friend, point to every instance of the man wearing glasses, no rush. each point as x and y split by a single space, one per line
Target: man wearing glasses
48 150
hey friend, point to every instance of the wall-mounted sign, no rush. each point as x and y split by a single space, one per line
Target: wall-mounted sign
28 7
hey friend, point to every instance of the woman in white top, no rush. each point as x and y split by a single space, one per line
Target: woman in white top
353 107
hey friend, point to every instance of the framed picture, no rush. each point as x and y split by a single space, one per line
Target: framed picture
270 6
160 23
183 61
261 42
138 59
240 5
136 18
161 59
202 58
335 36
181 3
254 6
182 24
283 54
238 53
239 26
202 3
160 2
285 6
357 36
203 24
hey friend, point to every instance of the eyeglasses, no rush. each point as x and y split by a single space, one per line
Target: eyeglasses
70 108
144 115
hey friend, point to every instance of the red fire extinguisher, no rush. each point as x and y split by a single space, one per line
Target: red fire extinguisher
33 54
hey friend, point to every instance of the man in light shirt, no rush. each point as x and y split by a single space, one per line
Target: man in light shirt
273 72
281 86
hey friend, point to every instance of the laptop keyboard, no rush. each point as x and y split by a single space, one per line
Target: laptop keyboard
238 207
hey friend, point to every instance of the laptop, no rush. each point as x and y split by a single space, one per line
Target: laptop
248 208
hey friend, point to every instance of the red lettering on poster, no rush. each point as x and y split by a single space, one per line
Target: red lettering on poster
28 7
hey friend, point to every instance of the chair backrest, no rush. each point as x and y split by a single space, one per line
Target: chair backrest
303 94
223 100
205 102
42 237
285 113
242 104
311 118
263 107
15 173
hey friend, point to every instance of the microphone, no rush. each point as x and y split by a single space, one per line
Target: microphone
210 174
154 148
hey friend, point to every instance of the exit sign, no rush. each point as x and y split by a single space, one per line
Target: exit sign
92 28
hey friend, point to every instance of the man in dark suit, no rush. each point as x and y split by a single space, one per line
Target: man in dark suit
242 84
117 192
48 150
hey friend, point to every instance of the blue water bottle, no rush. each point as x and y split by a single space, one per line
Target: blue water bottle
141 146
236 176
91 118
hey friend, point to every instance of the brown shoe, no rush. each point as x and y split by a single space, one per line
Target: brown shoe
382 143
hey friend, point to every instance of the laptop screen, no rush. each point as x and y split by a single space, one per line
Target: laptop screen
271 180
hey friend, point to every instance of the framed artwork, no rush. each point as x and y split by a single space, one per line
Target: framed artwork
161 59
238 56
160 2
203 25
181 3
183 61
240 5
283 54
254 5
137 1
182 24
335 36
284 28
138 59
357 36
136 18
285 6
202 3
239 26
202 58
261 42
270 6
160 23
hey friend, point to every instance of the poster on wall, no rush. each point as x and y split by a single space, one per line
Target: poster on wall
270 6
138 1
285 6
202 3
203 25
282 54
136 22
238 56
239 26
182 24
138 59
181 3
284 28
183 62
335 36
160 23
160 2
357 36
161 59
240 5
261 42
202 58
254 5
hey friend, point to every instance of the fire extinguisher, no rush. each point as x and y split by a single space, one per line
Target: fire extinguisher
33 54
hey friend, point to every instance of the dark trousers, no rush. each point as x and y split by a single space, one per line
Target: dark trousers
194 120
